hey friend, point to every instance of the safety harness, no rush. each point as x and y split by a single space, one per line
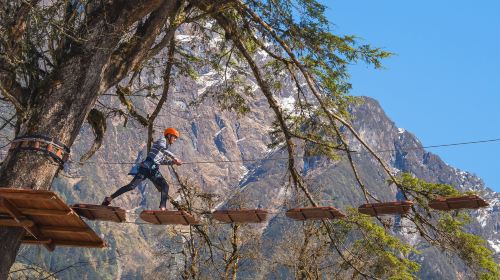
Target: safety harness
50 146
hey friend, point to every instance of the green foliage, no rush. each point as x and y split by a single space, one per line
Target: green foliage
304 27
469 247
449 232
418 186
376 249
423 191
300 45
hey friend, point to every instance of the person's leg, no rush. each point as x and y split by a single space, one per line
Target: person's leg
130 186
160 183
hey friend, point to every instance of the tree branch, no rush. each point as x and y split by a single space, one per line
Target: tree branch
14 30
312 85
231 33
164 95
129 55
13 93
122 92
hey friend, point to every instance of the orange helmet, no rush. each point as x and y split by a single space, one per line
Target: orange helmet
172 131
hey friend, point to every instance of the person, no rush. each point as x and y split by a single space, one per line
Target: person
150 168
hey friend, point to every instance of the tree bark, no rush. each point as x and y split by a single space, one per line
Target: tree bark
59 109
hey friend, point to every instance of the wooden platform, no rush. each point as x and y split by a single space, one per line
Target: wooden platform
461 202
386 208
159 217
100 212
241 215
314 213
47 219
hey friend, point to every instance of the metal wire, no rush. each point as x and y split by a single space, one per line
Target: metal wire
304 157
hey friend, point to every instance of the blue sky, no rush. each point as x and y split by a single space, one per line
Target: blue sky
443 84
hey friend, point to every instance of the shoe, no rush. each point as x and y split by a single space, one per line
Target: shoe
107 201
163 208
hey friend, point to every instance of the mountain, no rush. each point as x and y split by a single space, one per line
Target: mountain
333 184
227 157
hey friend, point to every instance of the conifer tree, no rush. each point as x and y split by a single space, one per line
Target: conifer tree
57 58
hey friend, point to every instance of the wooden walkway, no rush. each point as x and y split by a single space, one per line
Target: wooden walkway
315 213
101 213
160 217
241 216
386 208
46 218
458 202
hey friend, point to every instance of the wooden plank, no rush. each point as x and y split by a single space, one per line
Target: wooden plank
50 218
159 217
11 209
386 208
101 212
35 232
85 244
29 227
241 215
185 219
460 202
44 212
29 240
18 217
314 213
26 196
65 229
9 222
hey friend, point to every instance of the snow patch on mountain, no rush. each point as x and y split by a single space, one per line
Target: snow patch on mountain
219 132
207 80
184 38
495 244
482 217
287 103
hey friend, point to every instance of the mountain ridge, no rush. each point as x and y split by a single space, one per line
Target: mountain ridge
133 246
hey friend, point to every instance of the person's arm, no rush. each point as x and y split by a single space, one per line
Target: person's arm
172 158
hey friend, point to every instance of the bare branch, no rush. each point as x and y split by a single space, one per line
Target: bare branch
232 33
122 92
13 93
312 85
132 53
164 95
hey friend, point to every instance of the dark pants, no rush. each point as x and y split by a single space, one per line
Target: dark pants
154 175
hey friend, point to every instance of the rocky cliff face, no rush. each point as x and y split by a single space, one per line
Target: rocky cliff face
407 155
333 184
228 157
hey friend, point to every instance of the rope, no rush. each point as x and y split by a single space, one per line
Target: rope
278 214
286 158
303 157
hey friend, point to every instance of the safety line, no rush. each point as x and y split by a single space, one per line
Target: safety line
278 214
137 213
304 157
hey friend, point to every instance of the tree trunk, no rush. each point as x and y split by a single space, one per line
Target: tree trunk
61 106
59 113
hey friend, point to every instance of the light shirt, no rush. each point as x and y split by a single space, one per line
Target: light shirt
160 154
